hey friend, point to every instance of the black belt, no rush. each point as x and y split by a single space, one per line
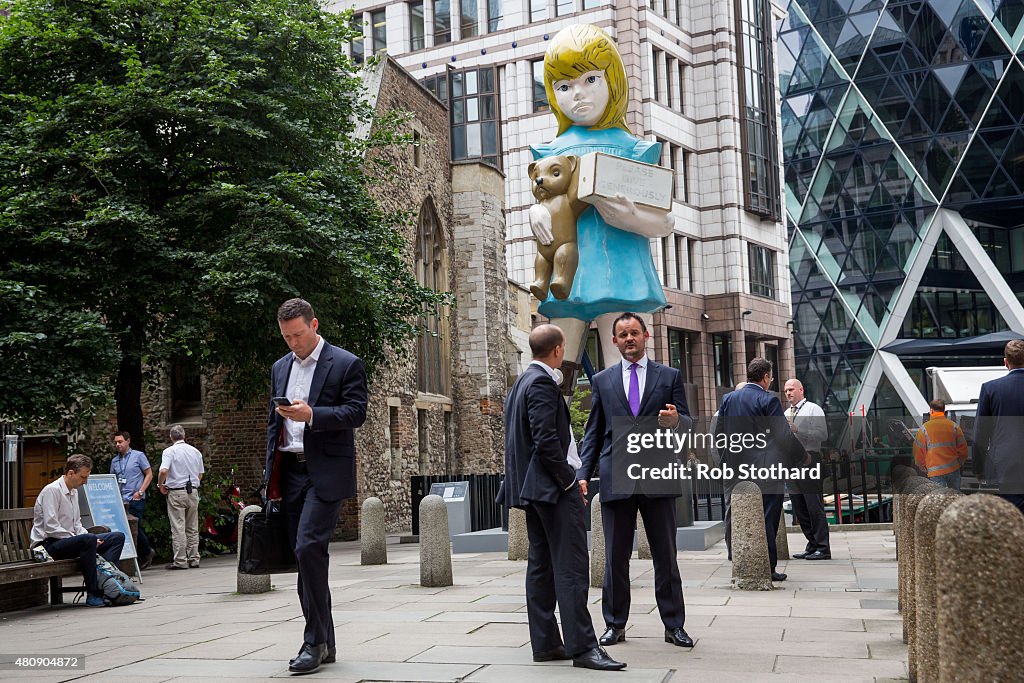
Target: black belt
299 457
182 488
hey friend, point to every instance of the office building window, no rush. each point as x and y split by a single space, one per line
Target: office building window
771 354
691 248
416 26
379 31
538 10
759 136
681 86
438 85
671 87
656 74
721 347
762 271
563 7
592 4
357 47
680 352
469 18
540 96
474 116
442 22
666 277
495 19
680 243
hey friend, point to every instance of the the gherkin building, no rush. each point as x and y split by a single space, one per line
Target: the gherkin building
903 139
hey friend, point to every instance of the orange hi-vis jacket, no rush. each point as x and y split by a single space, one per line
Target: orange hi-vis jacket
940 447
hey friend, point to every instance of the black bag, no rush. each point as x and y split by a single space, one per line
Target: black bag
265 548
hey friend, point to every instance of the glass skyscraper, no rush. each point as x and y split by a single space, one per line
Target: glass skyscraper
903 143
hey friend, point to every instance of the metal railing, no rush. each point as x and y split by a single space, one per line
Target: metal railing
12 459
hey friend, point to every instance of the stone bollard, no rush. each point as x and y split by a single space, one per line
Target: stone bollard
907 485
750 568
643 544
782 539
980 539
435 544
597 558
922 651
905 567
372 537
518 539
249 583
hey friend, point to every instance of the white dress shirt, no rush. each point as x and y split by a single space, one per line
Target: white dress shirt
299 380
56 513
641 375
183 463
572 456
811 428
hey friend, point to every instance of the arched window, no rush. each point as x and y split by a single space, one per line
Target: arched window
432 357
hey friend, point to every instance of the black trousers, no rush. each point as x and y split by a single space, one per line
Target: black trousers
311 522
619 518
809 510
83 547
558 571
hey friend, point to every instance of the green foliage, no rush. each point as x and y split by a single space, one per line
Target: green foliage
170 172
578 414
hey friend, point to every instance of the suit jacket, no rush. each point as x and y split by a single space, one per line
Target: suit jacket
608 400
999 432
537 434
752 410
337 395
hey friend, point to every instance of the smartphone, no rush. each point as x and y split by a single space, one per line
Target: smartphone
281 401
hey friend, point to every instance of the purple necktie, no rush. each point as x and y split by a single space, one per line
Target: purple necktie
634 389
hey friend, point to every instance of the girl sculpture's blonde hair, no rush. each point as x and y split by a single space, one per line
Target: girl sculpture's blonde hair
574 51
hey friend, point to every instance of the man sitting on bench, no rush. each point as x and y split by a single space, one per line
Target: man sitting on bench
57 526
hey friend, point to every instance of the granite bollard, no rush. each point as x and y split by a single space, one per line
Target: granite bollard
372 535
597 556
518 538
435 544
979 603
922 651
643 544
782 539
905 566
750 568
903 549
249 583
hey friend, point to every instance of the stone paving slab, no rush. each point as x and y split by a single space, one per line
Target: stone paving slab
833 619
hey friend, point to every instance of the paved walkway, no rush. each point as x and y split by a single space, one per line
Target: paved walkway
834 620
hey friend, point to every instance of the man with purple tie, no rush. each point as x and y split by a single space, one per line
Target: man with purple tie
638 387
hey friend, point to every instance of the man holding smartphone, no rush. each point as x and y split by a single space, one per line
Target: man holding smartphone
319 399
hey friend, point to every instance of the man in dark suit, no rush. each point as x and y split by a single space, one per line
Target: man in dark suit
539 479
311 460
752 410
637 387
999 428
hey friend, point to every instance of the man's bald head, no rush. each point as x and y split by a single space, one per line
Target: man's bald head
544 339
794 391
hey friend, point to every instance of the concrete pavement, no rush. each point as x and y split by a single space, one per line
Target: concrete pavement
832 620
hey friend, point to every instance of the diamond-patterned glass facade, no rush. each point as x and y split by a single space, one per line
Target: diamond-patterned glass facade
902 124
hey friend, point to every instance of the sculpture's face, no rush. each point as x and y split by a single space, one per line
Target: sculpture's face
584 98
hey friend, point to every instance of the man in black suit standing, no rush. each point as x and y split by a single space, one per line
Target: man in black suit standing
637 387
999 428
539 479
311 460
753 410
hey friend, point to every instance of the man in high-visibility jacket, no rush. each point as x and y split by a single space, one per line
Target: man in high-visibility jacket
940 448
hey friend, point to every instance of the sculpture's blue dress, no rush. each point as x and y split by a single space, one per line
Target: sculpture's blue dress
616 272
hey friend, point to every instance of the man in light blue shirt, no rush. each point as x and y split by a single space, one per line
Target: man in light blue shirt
134 474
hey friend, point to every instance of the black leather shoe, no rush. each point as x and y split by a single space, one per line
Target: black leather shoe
597 659
800 556
329 658
555 655
612 635
819 555
778 576
309 660
678 636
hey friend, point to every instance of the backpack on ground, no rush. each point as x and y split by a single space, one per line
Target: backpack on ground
115 585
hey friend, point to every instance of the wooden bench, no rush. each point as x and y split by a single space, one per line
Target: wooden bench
16 563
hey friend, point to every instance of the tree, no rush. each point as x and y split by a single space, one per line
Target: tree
170 171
